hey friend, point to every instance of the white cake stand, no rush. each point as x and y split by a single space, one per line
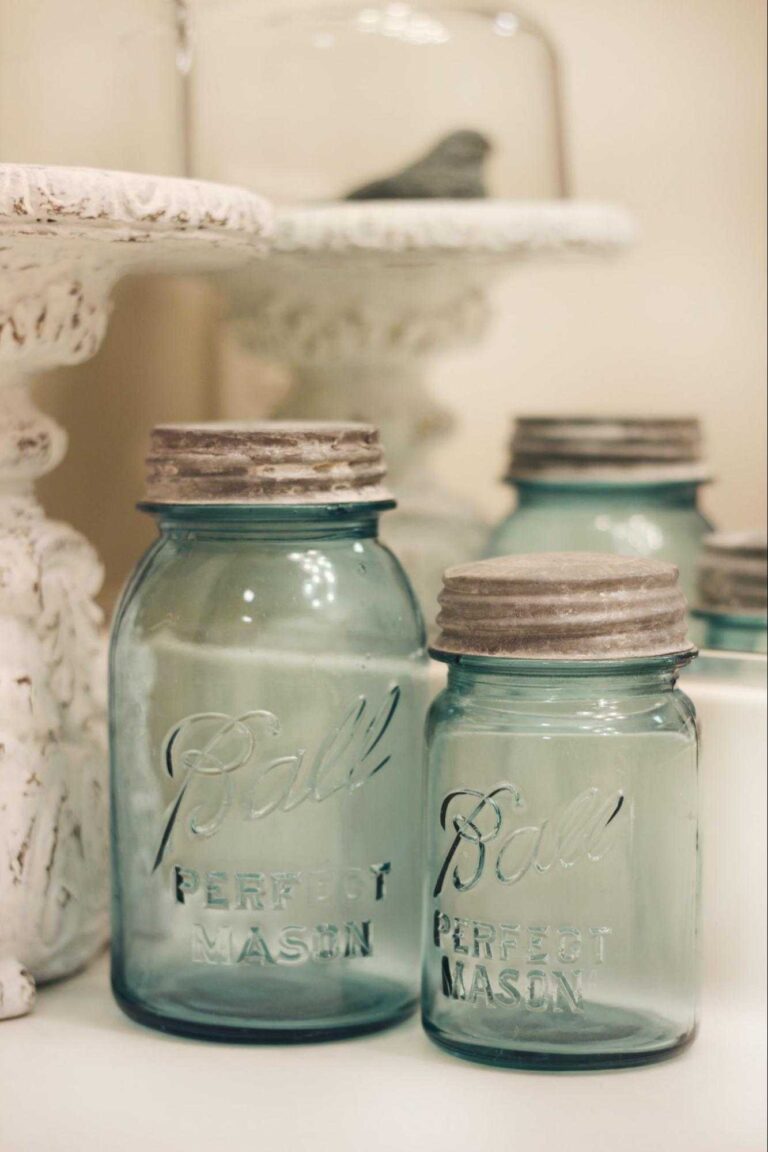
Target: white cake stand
356 297
66 236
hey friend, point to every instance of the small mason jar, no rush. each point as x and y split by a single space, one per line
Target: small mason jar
268 694
562 870
732 601
607 484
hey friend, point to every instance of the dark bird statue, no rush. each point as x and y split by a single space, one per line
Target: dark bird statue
453 170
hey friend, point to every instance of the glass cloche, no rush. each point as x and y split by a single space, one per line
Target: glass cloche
310 102
415 153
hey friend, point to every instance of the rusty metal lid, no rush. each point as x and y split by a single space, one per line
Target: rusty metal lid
563 606
272 462
607 448
733 574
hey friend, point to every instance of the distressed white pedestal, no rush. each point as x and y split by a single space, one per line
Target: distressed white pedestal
357 298
66 236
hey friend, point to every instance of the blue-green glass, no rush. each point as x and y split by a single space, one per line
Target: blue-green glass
657 520
731 632
562 864
268 693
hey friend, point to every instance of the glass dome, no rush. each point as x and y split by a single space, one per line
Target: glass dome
309 102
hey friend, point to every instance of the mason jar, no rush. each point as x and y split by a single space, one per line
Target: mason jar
561 814
607 484
268 693
732 600
729 687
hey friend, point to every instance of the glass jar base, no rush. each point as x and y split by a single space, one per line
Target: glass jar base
548 1058
308 1031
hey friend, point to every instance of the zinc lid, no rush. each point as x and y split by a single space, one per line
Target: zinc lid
271 462
563 606
733 574
626 449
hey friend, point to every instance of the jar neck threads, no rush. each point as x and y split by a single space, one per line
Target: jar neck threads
493 678
269 522
679 494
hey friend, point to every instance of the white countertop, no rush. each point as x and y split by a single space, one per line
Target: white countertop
77 1076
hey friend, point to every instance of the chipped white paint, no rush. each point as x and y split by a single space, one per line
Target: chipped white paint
130 206
66 236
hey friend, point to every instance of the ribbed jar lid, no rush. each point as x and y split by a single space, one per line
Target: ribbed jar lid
563 606
614 448
273 462
733 574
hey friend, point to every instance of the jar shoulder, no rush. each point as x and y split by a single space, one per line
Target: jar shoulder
462 714
319 592
640 523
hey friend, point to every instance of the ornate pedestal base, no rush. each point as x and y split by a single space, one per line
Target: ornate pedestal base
66 235
53 807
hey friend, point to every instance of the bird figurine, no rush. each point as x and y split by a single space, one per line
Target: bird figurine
453 170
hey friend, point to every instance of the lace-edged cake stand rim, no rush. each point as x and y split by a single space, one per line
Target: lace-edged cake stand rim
484 230
126 219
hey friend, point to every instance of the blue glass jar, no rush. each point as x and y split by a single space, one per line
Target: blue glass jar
733 632
732 599
626 486
562 827
729 687
268 692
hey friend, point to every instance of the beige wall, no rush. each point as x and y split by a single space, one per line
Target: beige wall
665 109
666 115
158 364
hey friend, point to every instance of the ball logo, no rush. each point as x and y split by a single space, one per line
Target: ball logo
583 829
226 762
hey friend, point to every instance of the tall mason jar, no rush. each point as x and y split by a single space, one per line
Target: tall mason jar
268 693
607 484
562 847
